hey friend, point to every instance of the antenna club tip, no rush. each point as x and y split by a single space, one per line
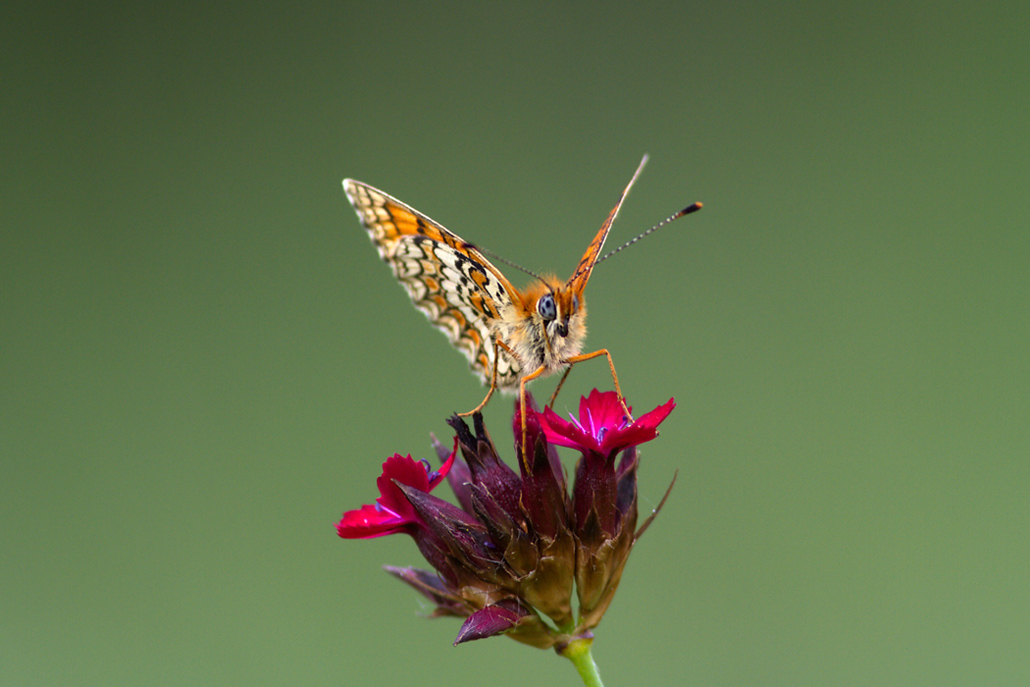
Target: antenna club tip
689 209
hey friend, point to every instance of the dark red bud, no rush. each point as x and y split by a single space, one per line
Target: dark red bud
491 620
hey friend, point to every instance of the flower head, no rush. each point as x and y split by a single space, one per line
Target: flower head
518 545
602 427
604 497
392 512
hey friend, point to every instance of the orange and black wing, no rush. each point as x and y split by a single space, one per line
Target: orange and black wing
578 281
457 288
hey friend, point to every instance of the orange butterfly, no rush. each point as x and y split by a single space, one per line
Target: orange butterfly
509 336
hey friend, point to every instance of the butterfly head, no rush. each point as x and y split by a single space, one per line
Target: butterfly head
558 312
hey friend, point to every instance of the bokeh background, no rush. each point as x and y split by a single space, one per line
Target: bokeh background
204 362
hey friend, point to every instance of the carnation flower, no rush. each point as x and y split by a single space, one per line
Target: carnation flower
509 557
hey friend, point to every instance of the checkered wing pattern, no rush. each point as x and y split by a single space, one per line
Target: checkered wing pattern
457 288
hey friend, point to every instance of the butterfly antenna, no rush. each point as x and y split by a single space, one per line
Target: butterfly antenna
509 263
685 211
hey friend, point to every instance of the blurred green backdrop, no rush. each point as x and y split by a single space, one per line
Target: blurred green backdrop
204 362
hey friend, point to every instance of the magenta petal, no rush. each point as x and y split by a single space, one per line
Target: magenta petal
618 439
601 427
656 416
642 430
564 433
404 470
438 476
393 512
601 409
368 522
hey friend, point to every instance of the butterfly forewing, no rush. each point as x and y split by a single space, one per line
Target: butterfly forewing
456 287
578 281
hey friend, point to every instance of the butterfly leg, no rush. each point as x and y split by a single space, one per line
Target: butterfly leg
493 381
554 396
522 404
611 366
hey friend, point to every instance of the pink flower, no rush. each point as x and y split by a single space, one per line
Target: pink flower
510 558
604 497
602 426
392 511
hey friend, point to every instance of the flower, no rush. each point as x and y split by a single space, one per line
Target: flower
602 427
508 559
392 512
604 498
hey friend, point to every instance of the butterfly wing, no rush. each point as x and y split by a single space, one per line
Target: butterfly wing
578 281
450 281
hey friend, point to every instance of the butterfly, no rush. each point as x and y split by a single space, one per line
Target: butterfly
510 336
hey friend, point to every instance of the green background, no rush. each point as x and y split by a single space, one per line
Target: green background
204 362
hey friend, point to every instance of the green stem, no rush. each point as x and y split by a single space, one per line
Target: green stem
578 651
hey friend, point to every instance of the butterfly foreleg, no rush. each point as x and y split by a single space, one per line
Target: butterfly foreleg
522 405
611 366
554 396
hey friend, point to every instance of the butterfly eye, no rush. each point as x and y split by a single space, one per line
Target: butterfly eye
545 306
